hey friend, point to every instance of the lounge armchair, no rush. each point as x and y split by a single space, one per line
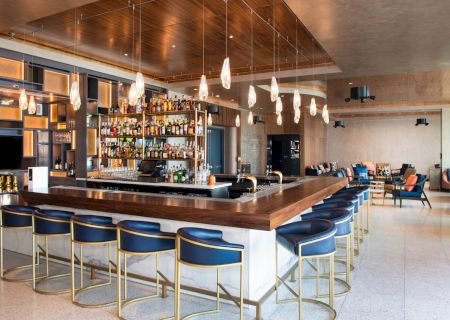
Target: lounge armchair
402 170
415 194
445 180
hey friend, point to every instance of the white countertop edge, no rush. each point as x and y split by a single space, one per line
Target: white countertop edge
162 184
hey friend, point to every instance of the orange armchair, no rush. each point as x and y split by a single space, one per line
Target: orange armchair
445 180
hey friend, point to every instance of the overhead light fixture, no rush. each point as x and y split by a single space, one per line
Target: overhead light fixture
213 109
350 83
297 115
195 89
325 114
225 75
251 96
297 99
32 106
279 120
74 95
237 121
231 36
209 121
313 107
23 103
278 106
125 54
423 121
250 118
132 95
174 46
217 95
203 89
140 85
339 123
273 90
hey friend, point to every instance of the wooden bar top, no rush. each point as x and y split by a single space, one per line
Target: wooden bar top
265 212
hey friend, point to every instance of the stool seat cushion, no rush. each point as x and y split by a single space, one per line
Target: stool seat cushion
93 229
342 205
302 232
340 217
59 225
149 239
198 253
15 216
358 193
345 197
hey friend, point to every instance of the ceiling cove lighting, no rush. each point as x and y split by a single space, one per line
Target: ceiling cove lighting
225 75
203 89
250 118
313 107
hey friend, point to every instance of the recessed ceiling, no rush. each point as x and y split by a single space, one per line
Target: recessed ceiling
172 32
379 36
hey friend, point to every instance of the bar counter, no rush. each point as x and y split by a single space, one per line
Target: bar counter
263 211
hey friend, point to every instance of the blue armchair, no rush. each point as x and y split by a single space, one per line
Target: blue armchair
402 170
415 194
361 174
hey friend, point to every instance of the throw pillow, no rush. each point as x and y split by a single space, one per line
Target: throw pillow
409 183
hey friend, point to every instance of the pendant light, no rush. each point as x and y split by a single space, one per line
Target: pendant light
23 100
140 84
74 95
251 88
23 103
237 121
278 106
297 101
133 93
225 75
296 115
203 89
279 120
313 107
32 106
274 85
325 114
250 118
209 121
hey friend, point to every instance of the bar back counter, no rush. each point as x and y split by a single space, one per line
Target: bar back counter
249 220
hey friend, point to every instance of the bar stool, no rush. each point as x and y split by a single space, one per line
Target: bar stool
140 238
349 207
307 239
206 248
363 193
342 219
368 203
14 217
360 195
356 214
90 230
49 223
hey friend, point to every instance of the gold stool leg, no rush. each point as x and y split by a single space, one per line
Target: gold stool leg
331 280
1 247
33 258
300 276
347 260
362 212
119 284
46 256
177 291
276 272
242 291
72 268
317 277
81 266
218 290
125 278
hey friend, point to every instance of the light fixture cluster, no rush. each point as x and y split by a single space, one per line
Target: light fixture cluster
75 98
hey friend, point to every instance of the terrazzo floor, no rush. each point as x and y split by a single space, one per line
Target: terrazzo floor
403 272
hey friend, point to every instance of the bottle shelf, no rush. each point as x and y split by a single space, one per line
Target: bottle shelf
118 137
124 115
176 112
173 136
162 159
119 158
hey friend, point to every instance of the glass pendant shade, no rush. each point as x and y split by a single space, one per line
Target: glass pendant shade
297 115
238 121
203 89
209 121
325 114
251 96
250 118
23 101
297 99
74 91
225 75
77 103
313 107
274 90
32 106
279 120
140 85
278 106
132 95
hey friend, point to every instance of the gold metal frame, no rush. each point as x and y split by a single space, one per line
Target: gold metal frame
121 303
298 295
4 272
47 276
77 291
219 286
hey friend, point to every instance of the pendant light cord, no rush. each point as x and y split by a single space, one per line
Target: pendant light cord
274 28
251 52
140 34
226 28
203 36
296 54
132 46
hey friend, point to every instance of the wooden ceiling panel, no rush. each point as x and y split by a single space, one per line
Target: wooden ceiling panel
105 33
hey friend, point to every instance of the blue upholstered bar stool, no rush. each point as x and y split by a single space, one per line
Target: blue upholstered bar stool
204 248
342 219
14 217
49 223
140 238
361 206
356 214
310 239
349 206
367 202
90 230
